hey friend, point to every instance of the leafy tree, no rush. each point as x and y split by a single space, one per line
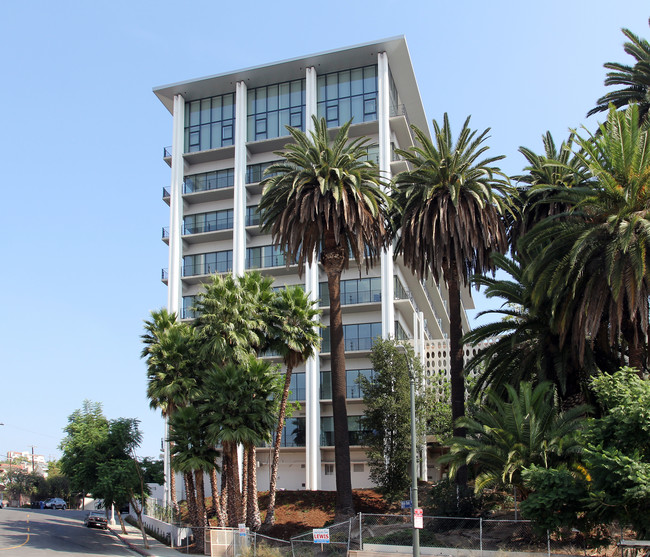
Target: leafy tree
635 80
449 210
617 451
507 436
152 470
21 484
294 336
326 199
386 419
86 432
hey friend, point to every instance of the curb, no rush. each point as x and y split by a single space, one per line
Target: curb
131 546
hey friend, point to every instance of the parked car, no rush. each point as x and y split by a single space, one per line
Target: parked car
95 518
55 503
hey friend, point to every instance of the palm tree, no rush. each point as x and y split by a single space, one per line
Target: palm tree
233 318
594 263
547 178
239 400
170 350
635 80
193 453
294 337
506 436
522 345
326 199
449 210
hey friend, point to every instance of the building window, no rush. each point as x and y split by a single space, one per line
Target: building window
356 337
210 123
400 291
400 333
357 467
274 107
255 172
353 388
188 311
209 181
329 469
264 257
207 263
208 222
297 387
355 431
293 433
348 95
354 291
252 216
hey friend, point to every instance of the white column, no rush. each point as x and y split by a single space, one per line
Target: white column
387 267
422 354
239 201
174 284
174 287
312 369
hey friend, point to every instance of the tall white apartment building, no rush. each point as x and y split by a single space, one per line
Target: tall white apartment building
225 131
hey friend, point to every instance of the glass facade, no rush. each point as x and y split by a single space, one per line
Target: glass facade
188 311
348 95
400 291
273 107
208 222
255 172
293 433
252 216
354 291
353 387
297 388
210 123
209 181
264 257
207 263
356 337
355 431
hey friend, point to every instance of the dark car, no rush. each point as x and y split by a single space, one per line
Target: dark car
98 519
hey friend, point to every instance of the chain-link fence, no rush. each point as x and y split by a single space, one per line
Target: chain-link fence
338 545
469 534
266 546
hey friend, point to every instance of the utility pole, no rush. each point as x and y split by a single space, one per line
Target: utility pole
33 467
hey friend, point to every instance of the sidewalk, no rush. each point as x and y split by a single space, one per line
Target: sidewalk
133 540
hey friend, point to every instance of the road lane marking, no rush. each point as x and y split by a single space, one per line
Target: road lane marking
24 543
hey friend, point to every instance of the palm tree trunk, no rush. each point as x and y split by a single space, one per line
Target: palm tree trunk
234 491
269 520
214 488
244 487
172 488
333 265
199 534
225 465
253 518
456 362
191 505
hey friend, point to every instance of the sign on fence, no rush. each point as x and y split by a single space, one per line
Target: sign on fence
406 504
417 518
242 529
321 535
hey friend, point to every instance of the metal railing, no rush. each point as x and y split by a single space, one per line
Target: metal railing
167 152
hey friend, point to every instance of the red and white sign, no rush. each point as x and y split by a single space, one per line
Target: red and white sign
417 519
321 535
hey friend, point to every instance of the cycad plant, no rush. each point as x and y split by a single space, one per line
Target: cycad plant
506 436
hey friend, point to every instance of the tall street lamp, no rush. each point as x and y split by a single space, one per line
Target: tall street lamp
414 474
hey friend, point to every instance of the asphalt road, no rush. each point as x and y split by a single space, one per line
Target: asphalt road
35 533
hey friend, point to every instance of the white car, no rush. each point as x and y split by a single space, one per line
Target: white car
55 503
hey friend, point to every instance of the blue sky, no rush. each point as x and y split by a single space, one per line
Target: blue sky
81 139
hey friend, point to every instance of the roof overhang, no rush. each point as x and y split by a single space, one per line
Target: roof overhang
399 61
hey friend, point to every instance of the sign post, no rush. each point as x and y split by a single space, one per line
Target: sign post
321 536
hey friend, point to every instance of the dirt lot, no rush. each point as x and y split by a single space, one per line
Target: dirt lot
297 512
